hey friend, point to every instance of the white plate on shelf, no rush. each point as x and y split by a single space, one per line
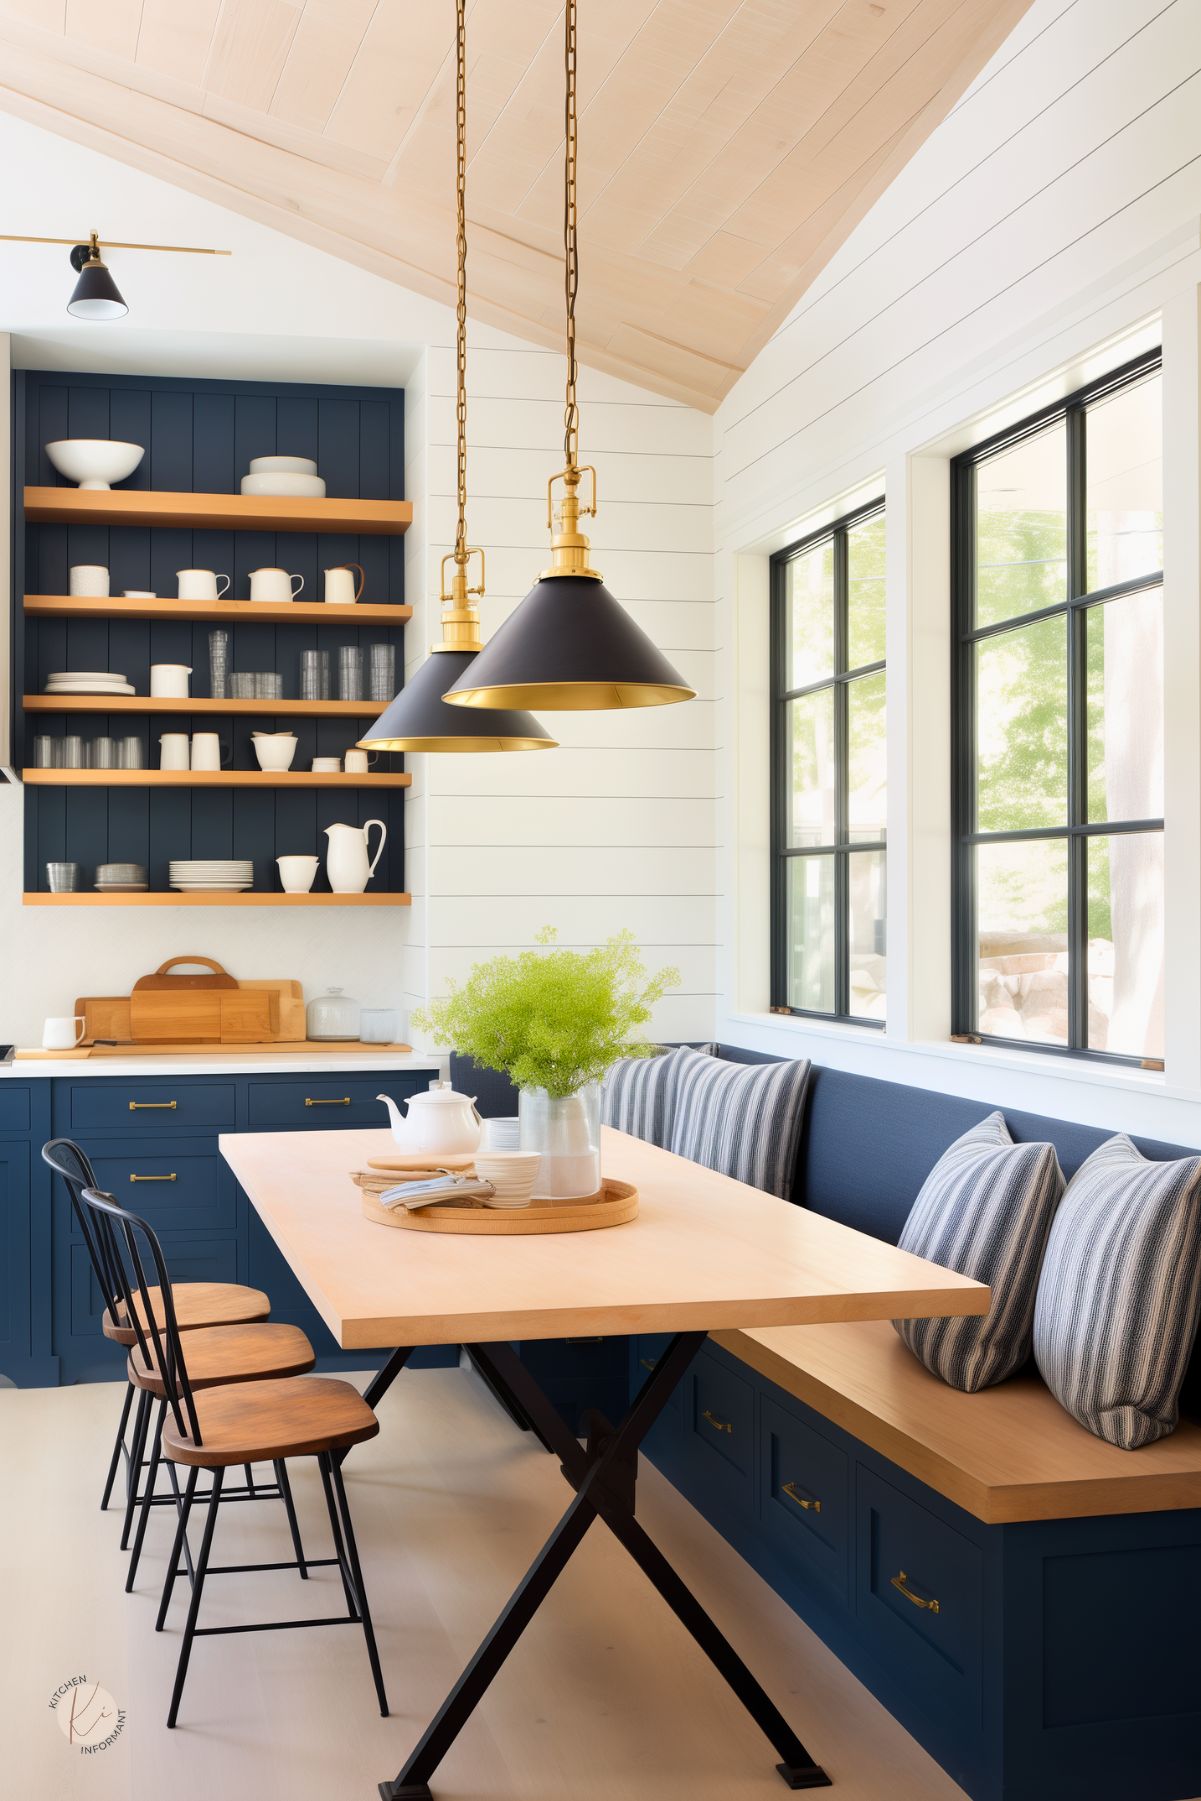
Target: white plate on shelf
90 688
302 487
85 675
211 887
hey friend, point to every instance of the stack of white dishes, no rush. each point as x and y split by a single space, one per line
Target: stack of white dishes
284 475
511 1173
121 878
210 875
87 681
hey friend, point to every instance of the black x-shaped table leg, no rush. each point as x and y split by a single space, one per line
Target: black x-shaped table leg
603 1476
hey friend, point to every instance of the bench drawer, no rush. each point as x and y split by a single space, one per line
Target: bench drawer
804 1484
719 1432
920 1593
183 1104
319 1102
15 1109
178 1186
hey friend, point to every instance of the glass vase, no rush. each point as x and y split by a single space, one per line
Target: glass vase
565 1131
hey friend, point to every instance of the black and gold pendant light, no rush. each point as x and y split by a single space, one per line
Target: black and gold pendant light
418 718
96 295
570 646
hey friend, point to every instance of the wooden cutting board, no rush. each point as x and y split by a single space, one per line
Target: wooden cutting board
207 1008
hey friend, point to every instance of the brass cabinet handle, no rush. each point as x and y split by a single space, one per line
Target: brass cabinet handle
171 1178
649 1363
809 1502
342 1101
901 1583
717 1425
152 1106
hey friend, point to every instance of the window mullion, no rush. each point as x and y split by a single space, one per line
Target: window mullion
842 904
1077 702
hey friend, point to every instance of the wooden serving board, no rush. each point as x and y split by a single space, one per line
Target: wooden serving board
422 1160
301 1047
256 1012
616 1203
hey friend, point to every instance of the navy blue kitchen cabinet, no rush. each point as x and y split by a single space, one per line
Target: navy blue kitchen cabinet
154 1144
1047 1660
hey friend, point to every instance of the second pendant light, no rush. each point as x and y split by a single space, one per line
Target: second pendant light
419 718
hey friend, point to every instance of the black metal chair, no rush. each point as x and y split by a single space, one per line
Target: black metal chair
198 1304
235 1423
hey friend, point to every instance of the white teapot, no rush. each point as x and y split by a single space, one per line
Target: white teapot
440 1122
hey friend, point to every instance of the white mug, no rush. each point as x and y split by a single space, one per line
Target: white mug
63 1034
173 750
88 578
206 750
274 585
340 587
357 762
297 874
201 584
326 764
169 681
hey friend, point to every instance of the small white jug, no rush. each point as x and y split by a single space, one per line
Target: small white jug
348 863
274 585
340 586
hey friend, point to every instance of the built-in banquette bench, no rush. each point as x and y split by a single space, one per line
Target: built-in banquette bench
1025 1598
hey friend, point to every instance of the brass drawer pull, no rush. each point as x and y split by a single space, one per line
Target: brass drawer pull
152 1106
718 1425
342 1101
171 1178
809 1502
901 1583
649 1363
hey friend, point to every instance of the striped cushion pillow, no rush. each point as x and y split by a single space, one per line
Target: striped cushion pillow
743 1119
1117 1301
638 1092
985 1210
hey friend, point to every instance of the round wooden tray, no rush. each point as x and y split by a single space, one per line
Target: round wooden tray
616 1203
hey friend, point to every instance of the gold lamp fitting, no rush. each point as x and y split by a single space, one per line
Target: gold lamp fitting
460 614
569 545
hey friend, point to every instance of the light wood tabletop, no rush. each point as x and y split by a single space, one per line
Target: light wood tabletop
704 1252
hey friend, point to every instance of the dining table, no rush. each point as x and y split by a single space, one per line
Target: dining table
704 1252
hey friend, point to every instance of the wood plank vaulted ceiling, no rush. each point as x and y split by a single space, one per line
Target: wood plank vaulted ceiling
727 147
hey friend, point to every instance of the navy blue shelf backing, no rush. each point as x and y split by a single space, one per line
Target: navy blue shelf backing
199 437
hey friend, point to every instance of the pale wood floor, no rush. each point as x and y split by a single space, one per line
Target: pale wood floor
606 1699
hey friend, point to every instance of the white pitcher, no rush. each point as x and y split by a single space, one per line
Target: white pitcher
348 863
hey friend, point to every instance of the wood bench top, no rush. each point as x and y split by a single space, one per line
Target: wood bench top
1008 1453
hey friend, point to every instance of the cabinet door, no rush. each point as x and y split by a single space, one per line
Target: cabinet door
16 1171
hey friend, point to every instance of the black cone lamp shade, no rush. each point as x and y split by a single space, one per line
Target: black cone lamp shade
96 295
419 718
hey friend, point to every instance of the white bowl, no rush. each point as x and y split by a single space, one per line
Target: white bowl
511 1173
94 462
275 750
303 487
283 466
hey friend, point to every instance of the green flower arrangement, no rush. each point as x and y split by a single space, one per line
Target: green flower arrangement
552 1018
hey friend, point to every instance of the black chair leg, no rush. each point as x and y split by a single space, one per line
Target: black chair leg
118 1447
136 1453
324 1460
206 1543
360 1590
181 1539
156 1451
285 1489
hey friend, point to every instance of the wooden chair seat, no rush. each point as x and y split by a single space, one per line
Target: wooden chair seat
259 1422
196 1304
218 1354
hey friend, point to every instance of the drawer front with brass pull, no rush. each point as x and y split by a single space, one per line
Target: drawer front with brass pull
720 1410
96 1105
920 1592
183 1187
315 1103
804 1488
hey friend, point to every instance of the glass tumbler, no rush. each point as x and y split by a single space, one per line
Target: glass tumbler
71 753
268 685
130 754
350 673
310 674
242 686
382 676
62 878
103 754
378 1025
45 753
218 664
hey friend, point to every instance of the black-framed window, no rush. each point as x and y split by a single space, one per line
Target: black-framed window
1057 700
829 772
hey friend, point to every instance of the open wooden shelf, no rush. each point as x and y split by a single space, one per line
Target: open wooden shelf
213 778
222 512
224 612
252 899
146 703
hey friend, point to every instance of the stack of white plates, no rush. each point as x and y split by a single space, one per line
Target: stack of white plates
121 878
210 876
511 1173
284 475
87 681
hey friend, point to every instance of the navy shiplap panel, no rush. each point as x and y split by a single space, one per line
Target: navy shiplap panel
200 436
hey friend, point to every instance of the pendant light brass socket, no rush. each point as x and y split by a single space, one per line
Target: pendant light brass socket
460 615
569 545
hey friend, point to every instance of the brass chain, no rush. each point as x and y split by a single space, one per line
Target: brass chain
571 266
460 551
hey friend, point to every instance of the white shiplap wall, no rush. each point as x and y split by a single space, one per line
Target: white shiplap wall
617 827
1054 212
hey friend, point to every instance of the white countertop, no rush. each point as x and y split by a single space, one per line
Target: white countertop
259 1063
